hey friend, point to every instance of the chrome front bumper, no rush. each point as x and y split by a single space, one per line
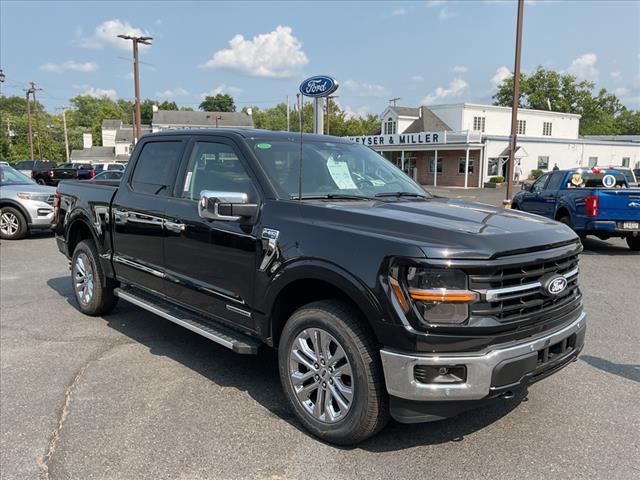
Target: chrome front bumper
400 378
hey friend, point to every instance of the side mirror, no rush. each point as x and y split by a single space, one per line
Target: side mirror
228 206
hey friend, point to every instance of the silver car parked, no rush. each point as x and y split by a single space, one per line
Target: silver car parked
24 205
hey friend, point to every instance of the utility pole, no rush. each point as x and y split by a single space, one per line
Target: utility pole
30 133
394 100
514 106
136 81
32 91
288 116
66 137
329 98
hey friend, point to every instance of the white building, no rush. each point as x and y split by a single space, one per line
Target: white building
474 138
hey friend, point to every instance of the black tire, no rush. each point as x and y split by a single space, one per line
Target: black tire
13 225
634 242
101 300
514 206
368 412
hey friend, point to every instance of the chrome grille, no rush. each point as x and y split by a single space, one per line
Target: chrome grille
513 295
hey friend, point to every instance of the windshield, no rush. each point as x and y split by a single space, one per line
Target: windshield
331 169
10 176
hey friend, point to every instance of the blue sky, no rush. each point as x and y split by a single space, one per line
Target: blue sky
424 52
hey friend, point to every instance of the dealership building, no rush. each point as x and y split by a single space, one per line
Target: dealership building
466 144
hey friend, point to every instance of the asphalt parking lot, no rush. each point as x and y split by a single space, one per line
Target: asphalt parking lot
132 396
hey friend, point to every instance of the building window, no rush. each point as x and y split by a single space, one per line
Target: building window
626 161
461 162
478 124
390 127
543 162
439 164
593 161
522 127
546 129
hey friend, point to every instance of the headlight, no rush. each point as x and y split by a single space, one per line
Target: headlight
40 197
440 295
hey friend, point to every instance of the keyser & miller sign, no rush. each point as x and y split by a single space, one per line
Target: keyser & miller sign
400 139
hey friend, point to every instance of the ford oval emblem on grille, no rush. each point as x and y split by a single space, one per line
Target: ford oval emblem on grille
554 285
634 204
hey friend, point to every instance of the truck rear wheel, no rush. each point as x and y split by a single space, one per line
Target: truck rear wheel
634 242
93 294
331 373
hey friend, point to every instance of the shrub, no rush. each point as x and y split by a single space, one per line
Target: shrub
536 173
497 179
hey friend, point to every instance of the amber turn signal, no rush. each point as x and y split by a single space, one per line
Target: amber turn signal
443 295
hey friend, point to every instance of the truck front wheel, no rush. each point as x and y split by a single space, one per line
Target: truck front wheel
93 294
331 373
634 242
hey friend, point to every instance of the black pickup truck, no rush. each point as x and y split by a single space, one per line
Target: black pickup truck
381 299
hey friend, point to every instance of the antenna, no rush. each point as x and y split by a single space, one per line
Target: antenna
394 100
301 103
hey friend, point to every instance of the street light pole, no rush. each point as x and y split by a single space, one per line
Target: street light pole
136 82
516 101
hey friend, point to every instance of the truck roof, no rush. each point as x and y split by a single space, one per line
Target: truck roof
251 133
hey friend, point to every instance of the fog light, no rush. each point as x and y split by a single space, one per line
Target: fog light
434 374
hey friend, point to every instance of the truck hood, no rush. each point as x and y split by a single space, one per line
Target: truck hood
450 228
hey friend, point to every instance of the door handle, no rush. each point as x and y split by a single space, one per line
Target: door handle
120 216
175 227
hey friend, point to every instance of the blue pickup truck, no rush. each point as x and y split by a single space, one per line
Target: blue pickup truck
591 201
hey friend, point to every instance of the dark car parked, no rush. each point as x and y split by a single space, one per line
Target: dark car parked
73 171
380 298
41 171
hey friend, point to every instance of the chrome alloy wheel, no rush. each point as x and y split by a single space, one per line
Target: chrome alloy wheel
321 375
9 224
83 278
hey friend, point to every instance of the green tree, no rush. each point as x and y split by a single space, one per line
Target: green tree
221 102
561 92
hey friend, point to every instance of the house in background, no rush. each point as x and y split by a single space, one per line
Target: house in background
465 144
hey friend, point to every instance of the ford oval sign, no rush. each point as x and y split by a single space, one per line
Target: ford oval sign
318 86
554 285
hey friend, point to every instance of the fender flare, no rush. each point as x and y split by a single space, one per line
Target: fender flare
13 204
316 269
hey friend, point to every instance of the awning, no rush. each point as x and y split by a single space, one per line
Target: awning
520 152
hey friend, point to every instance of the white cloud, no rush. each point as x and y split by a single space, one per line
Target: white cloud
434 3
365 89
172 93
230 90
502 73
399 12
621 92
85 67
460 69
350 112
456 87
417 78
276 54
446 14
617 76
106 34
584 67
97 92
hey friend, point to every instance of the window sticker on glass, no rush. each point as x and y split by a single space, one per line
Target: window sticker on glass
187 182
263 146
340 173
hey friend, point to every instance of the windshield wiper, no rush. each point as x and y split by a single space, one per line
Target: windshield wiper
330 196
401 194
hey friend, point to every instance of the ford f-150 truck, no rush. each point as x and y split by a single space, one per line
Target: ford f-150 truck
381 299
591 201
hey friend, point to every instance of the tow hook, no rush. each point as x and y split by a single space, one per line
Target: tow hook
507 395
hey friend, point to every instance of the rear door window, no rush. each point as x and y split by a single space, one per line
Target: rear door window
156 168
554 181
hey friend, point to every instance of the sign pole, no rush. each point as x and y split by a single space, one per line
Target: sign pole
318 117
